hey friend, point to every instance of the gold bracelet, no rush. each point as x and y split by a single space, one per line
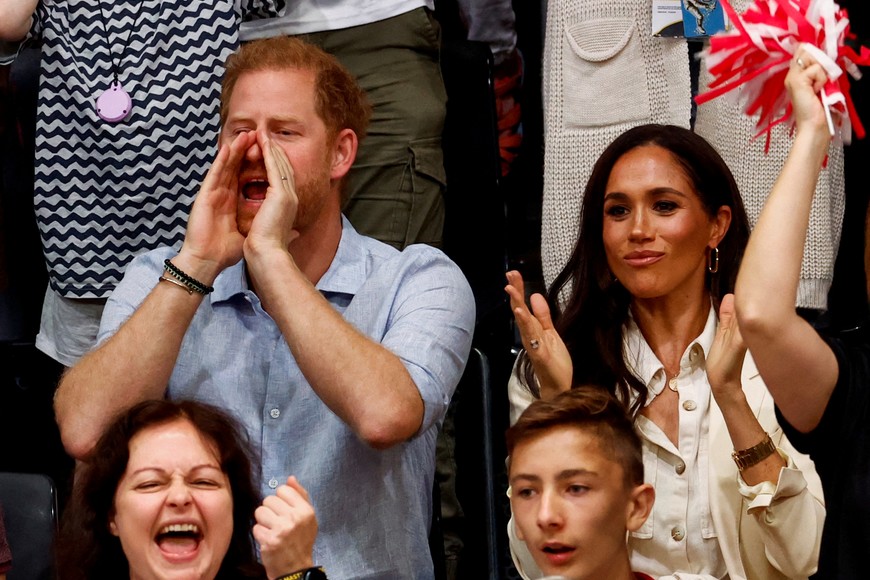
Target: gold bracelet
754 455
165 278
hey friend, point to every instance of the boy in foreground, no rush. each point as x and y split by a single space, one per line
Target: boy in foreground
576 485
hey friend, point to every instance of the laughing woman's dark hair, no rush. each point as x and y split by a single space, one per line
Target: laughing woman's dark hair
88 550
595 307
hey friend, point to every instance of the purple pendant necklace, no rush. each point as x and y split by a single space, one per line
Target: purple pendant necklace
114 104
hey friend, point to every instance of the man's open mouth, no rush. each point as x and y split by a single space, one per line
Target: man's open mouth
255 190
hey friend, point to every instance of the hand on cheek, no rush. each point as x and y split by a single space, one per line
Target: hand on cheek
212 231
272 227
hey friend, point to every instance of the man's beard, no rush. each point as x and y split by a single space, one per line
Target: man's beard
312 196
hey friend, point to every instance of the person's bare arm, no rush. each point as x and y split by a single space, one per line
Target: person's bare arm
15 17
135 364
798 367
132 366
361 381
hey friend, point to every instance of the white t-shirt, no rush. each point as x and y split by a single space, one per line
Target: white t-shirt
306 16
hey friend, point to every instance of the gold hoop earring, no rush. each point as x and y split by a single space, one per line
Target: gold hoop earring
713 260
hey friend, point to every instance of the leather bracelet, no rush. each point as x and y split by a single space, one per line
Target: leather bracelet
188 281
754 455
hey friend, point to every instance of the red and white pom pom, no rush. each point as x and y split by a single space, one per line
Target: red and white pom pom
754 57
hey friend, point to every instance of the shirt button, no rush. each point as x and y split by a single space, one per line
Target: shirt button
680 468
689 405
275 413
677 533
273 483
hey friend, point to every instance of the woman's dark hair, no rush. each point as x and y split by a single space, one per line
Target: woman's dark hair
88 550
591 320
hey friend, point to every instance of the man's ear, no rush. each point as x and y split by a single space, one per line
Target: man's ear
343 153
639 506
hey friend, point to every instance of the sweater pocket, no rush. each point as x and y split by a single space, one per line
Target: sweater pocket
604 77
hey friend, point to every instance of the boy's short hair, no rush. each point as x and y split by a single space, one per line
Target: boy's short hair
595 411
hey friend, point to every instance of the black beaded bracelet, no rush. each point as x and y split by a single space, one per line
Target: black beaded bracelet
188 281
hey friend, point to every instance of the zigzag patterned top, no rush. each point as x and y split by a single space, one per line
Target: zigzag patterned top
105 192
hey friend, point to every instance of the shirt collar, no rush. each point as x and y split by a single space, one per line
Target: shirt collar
345 275
642 361
347 272
230 282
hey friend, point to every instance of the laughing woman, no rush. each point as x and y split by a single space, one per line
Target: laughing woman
168 494
645 311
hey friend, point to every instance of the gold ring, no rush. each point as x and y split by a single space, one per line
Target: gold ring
283 178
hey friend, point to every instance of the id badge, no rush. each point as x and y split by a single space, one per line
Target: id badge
702 18
688 18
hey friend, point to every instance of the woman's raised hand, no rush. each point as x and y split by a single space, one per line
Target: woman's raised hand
548 354
724 370
725 360
805 80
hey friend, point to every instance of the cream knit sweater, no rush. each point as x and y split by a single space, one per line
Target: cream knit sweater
604 73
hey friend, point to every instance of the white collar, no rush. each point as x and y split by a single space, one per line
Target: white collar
643 363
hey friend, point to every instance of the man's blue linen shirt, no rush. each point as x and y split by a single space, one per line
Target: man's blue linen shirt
373 507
